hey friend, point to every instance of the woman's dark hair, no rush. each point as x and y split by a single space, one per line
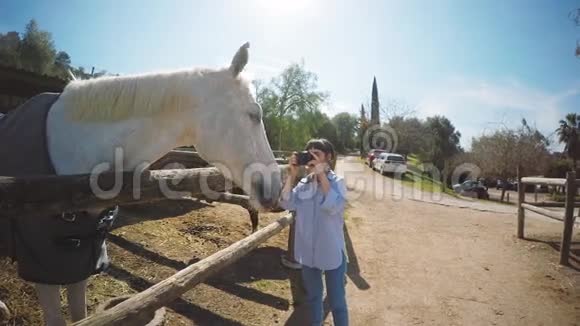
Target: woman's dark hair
323 145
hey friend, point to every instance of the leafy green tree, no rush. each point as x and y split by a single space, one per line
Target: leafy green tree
569 133
37 52
62 64
327 130
10 44
558 167
411 136
444 140
345 124
286 100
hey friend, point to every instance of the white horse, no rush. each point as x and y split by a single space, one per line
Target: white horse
149 115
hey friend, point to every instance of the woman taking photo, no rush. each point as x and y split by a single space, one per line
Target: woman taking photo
318 200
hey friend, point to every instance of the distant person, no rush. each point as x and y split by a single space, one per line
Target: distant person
319 200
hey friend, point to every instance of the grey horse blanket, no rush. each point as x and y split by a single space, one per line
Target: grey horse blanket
61 249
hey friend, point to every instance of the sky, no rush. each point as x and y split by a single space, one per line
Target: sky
483 64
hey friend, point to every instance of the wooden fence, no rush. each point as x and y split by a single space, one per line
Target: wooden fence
190 159
164 292
26 196
570 183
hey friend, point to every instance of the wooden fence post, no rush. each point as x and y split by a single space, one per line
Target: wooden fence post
568 217
521 197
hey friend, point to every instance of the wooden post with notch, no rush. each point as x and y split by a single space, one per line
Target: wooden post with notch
521 212
568 217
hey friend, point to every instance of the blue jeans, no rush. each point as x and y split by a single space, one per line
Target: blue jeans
312 278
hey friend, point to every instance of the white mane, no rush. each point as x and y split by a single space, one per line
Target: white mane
119 98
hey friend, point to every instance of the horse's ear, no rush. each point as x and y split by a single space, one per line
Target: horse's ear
240 59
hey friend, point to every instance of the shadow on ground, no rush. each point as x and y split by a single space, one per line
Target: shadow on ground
260 264
133 214
180 306
574 258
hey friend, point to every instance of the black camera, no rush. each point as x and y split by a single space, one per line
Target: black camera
302 158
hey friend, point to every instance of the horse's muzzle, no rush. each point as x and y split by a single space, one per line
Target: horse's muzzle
267 192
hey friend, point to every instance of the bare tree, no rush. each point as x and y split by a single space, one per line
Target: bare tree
500 153
396 108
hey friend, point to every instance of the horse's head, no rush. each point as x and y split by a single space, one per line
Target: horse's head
230 134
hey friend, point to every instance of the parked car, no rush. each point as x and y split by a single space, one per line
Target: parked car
372 155
471 188
390 163
508 185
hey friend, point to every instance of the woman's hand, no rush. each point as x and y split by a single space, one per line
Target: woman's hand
321 167
291 176
293 166
320 164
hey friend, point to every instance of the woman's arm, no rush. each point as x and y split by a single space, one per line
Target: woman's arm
335 198
324 183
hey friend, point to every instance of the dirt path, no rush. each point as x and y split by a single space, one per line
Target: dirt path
419 263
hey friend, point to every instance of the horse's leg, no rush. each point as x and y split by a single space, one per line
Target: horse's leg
49 298
254 219
77 302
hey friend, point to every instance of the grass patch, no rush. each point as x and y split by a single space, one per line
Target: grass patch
265 285
413 160
561 198
425 183
414 176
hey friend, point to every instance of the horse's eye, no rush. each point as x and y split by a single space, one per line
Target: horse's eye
256 114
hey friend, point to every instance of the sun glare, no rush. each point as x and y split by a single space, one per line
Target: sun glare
286 7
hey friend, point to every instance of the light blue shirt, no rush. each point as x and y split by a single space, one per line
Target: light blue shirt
319 237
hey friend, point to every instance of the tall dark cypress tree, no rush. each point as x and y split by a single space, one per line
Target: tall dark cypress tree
375 120
363 124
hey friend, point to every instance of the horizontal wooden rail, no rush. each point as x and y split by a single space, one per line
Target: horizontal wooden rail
229 198
173 287
27 196
544 181
545 212
553 204
188 159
